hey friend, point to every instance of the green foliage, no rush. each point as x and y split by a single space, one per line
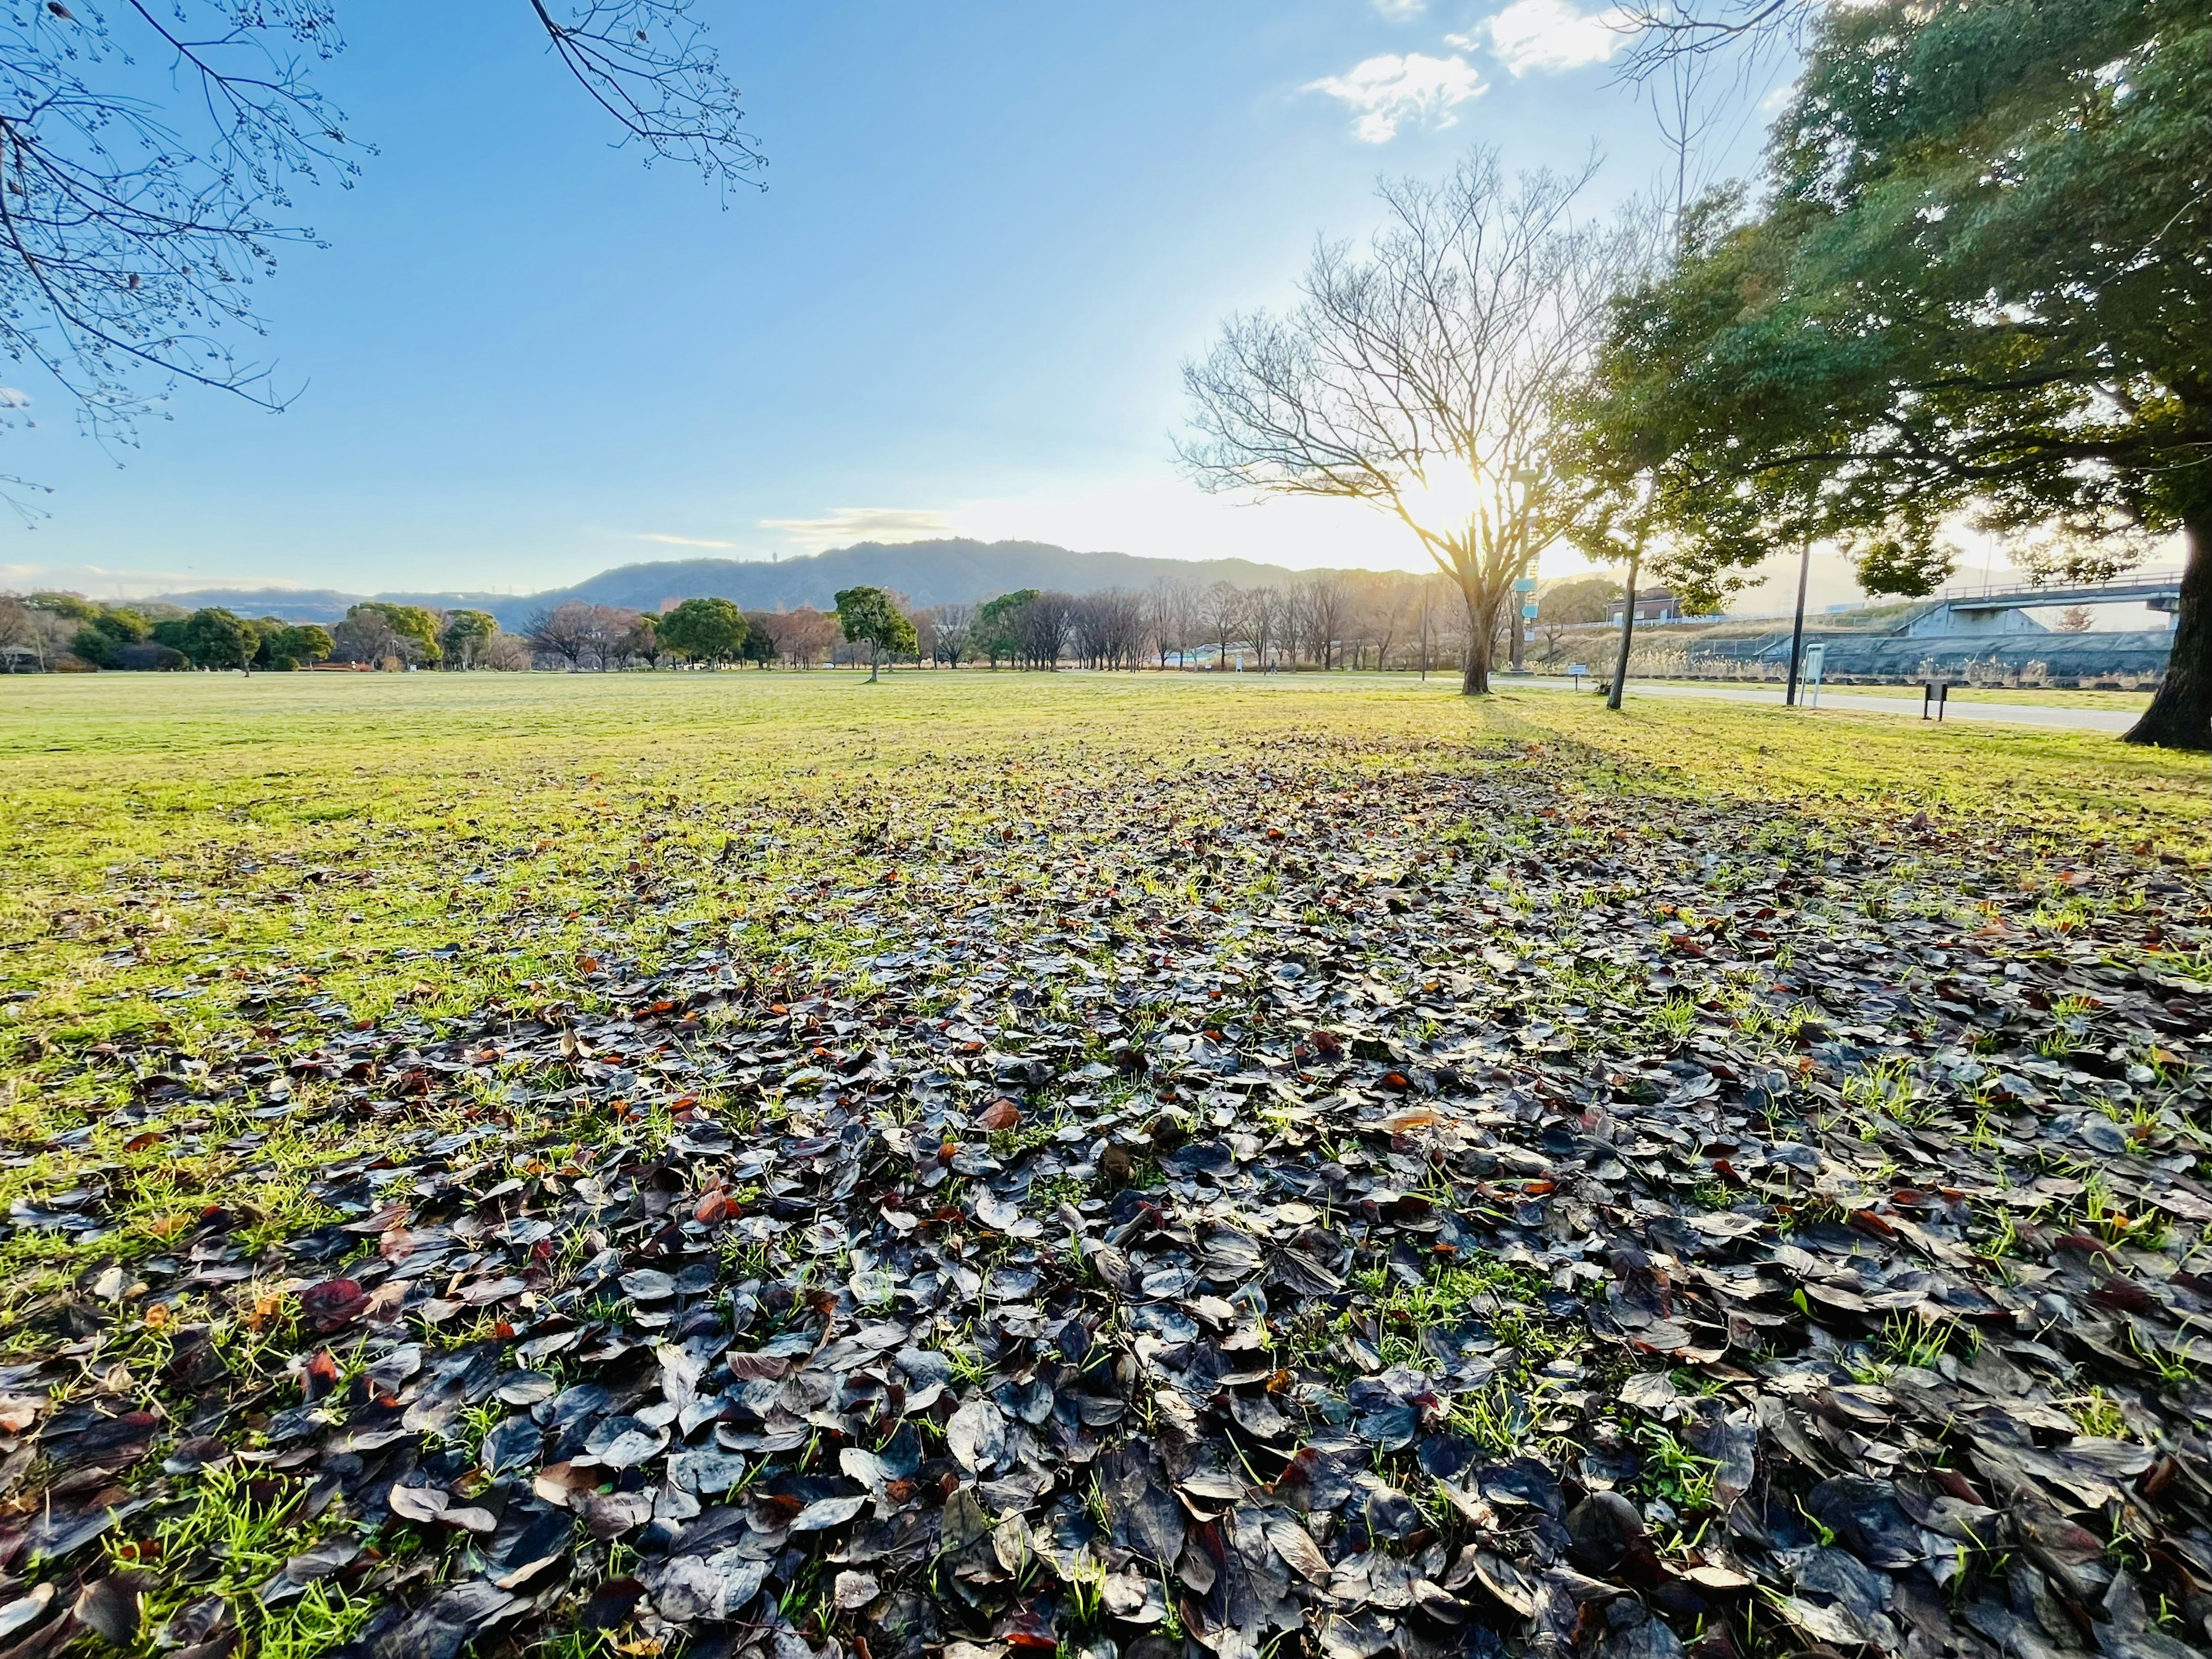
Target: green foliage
1583 599
998 623
869 615
301 641
465 635
1968 291
106 630
411 622
706 630
214 638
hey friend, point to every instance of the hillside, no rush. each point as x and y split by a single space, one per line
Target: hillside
927 572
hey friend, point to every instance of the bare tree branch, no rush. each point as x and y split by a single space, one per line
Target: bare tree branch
149 155
1419 373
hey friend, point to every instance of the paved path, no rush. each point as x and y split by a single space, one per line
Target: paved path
2004 714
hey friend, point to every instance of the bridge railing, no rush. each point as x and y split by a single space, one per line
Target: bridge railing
2064 592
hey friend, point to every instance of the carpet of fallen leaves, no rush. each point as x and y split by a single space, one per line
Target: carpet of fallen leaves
1300 1208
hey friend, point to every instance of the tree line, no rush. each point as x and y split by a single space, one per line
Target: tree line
1353 619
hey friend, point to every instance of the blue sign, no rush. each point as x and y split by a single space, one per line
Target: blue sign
1529 611
1525 585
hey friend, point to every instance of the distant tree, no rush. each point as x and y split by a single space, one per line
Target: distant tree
998 626
640 638
952 634
1573 603
304 642
706 630
464 635
1267 614
869 617
566 631
1329 617
2075 619
106 632
1170 605
216 638
1223 609
364 634
802 637
20 636
1106 628
416 627
506 653
1044 627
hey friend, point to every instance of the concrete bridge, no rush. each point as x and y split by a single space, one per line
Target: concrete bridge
1987 609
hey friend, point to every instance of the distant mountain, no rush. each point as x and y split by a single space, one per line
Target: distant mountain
927 572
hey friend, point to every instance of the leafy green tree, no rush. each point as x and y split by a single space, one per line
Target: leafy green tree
416 628
303 642
216 638
869 615
1980 286
108 629
998 631
465 634
759 647
705 630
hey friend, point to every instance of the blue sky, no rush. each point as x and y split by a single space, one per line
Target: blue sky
992 231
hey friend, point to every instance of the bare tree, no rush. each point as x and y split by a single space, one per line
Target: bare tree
1386 602
1267 614
951 633
1420 375
1327 605
803 637
566 632
131 232
1169 605
20 638
1222 612
1108 628
1042 629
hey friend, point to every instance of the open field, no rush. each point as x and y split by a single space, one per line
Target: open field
523 1155
2054 697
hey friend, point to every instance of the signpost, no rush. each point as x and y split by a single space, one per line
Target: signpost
1526 586
1934 694
1578 669
1816 657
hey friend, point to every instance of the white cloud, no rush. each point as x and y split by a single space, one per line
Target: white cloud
110 583
680 541
843 526
1549 35
1390 91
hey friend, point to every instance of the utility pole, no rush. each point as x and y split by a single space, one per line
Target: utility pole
1797 631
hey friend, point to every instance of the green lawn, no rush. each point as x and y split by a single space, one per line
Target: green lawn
370 883
172 840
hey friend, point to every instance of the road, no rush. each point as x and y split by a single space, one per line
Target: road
2000 713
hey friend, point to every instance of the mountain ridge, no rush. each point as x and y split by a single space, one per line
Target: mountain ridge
951 570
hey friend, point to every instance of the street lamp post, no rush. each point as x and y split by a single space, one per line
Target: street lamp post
1524 586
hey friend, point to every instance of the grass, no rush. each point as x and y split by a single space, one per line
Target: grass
416 847
2043 696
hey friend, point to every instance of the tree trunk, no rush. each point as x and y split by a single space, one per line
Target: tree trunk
1481 627
2180 715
